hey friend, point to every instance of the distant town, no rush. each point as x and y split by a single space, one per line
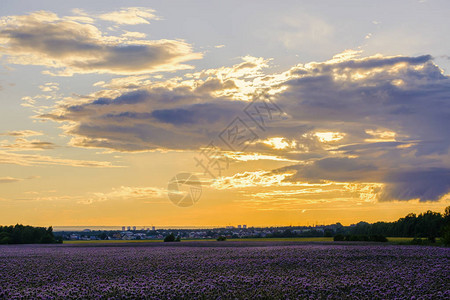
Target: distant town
238 231
428 224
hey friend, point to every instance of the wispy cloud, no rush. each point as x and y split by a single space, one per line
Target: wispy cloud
22 133
129 193
35 159
130 16
21 144
252 179
9 179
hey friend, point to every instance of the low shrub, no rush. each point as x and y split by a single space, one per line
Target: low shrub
360 238
338 238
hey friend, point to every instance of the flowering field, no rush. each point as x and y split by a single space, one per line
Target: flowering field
226 271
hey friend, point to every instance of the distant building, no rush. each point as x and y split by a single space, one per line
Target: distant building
239 226
129 228
153 228
244 226
134 228
123 228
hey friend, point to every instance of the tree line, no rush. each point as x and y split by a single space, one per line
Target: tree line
20 234
425 225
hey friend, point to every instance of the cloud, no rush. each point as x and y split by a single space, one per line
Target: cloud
49 87
9 179
297 31
130 16
148 120
24 144
35 159
251 179
245 156
138 114
429 184
42 38
334 169
134 34
22 133
393 112
125 83
349 119
131 193
150 195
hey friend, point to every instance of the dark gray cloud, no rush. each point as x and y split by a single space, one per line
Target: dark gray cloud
387 120
334 169
42 38
408 96
206 113
425 185
150 119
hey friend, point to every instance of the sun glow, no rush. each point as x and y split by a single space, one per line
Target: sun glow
280 143
329 136
380 136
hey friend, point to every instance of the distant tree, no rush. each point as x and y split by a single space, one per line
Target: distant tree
447 215
5 238
328 233
362 228
339 228
20 234
48 237
221 238
446 235
169 238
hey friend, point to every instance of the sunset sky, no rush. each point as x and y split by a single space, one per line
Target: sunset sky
287 112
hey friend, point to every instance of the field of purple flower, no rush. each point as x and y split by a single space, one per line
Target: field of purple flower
235 270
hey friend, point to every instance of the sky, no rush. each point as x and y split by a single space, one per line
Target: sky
218 113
